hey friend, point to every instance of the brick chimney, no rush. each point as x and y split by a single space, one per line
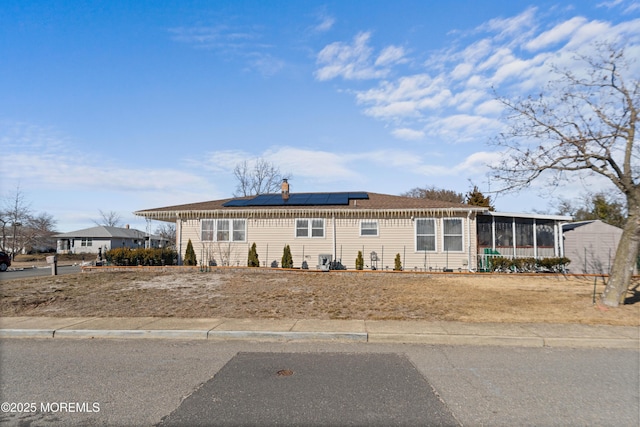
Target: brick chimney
285 190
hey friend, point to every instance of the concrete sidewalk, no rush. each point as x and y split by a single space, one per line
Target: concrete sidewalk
373 331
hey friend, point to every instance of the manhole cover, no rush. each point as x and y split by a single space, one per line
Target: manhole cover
284 373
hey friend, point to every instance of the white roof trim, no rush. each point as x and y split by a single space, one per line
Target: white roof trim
529 215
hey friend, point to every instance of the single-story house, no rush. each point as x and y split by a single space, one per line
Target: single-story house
324 227
591 246
102 238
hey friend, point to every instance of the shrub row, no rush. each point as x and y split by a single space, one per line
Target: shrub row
555 265
141 256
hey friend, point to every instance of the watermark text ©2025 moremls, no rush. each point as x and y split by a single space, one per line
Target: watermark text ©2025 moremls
50 407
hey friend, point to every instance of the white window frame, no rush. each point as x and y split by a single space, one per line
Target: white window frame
210 230
86 242
444 235
435 234
231 230
375 228
309 228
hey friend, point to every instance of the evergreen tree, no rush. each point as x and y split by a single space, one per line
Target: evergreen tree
359 261
253 257
476 198
397 263
287 259
190 255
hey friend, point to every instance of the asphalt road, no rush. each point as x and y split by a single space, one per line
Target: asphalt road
33 272
174 382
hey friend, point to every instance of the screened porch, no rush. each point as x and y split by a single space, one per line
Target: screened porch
519 236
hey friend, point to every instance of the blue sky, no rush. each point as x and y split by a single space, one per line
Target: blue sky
129 105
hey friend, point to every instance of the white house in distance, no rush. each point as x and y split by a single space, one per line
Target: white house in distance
591 246
102 238
323 227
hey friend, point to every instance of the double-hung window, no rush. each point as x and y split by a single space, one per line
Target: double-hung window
207 227
224 230
86 241
425 234
368 228
310 227
452 233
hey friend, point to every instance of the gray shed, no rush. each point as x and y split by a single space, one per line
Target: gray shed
591 246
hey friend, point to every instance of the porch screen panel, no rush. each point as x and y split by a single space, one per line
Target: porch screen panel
425 235
544 234
524 232
452 230
485 238
504 233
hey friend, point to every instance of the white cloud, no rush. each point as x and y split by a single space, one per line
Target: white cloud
452 97
391 55
320 165
408 134
355 61
557 34
513 28
326 23
45 160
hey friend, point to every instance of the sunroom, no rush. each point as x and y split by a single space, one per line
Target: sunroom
513 235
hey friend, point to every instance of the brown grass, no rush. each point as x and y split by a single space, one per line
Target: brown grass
266 293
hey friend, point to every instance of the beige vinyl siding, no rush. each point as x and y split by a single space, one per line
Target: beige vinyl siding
395 235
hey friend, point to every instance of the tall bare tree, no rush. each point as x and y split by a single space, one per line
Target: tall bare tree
14 216
109 219
39 232
257 177
585 121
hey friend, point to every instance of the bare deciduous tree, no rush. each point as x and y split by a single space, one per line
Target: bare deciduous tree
109 219
14 218
167 231
584 122
40 231
433 193
257 177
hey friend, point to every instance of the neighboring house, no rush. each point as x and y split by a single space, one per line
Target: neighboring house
325 227
102 238
591 246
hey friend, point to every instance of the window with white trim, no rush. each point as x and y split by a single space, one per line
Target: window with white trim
452 234
425 234
310 227
207 230
239 230
223 230
368 228
86 241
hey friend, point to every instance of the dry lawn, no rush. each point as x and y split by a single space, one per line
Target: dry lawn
266 293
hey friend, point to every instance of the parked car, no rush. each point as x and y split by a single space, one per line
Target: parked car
5 261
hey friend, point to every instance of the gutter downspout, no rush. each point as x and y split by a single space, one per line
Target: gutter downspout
333 225
469 241
179 225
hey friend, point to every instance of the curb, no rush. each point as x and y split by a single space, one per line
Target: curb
352 337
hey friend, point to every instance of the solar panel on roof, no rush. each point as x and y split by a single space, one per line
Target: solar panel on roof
299 199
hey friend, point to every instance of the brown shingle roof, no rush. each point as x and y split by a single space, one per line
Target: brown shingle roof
376 201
